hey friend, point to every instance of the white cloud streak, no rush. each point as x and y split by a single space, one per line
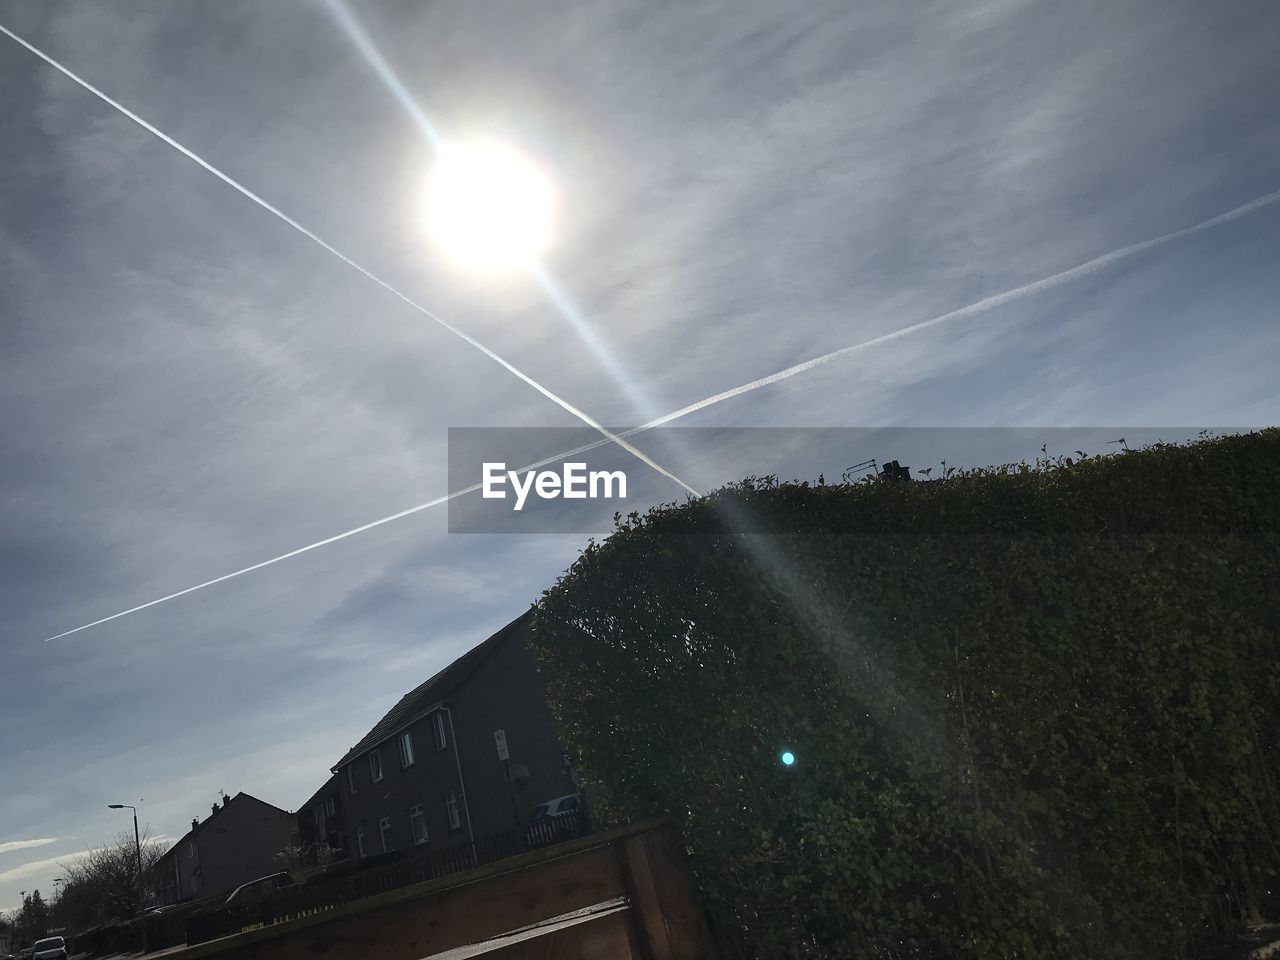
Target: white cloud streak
8 846
35 868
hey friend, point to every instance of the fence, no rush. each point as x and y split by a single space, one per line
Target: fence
326 892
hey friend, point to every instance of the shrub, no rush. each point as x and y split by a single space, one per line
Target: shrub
1035 709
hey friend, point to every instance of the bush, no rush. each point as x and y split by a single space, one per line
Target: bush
1035 710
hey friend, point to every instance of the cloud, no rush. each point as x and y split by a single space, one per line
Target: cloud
7 846
35 868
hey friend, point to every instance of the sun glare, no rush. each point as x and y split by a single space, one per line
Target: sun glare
488 207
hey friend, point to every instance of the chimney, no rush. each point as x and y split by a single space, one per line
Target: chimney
194 823
215 811
225 799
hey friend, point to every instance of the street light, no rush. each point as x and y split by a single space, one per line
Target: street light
137 840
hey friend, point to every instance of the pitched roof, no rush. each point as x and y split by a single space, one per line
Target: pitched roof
190 834
426 695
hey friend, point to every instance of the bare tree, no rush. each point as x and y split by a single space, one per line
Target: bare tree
105 883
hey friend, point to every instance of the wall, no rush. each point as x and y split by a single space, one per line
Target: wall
233 846
505 692
334 825
638 870
424 783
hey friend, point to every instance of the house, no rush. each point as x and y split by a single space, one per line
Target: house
467 754
320 820
236 843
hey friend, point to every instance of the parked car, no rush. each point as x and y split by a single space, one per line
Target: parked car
50 948
255 890
555 820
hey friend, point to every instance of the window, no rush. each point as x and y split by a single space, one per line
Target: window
331 806
384 829
351 778
417 825
319 818
360 839
406 749
437 726
375 766
451 808
191 851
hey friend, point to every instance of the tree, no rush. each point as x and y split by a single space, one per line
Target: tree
105 883
32 919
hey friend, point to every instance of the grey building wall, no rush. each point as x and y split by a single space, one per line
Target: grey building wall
504 692
234 845
323 818
507 693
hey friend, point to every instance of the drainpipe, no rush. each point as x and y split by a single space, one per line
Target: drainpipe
457 756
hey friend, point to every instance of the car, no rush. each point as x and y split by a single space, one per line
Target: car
255 890
555 820
50 948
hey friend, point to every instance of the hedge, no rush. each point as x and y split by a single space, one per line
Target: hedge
1034 709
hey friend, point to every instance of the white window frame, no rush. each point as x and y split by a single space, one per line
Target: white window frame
437 728
384 828
451 809
417 816
360 842
351 778
330 807
375 766
406 750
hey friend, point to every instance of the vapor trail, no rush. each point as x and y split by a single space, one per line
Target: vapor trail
981 306
972 309
328 540
280 214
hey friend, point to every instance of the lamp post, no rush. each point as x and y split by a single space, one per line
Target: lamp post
137 840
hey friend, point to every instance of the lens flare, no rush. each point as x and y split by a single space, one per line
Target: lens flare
788 758
488 207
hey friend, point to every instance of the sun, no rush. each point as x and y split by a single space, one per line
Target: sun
488 207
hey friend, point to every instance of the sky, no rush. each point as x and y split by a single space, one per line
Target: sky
189 386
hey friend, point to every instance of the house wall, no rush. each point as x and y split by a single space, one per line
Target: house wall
424 783
240 842
179 874
316 823
507 693
236 844
504 692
